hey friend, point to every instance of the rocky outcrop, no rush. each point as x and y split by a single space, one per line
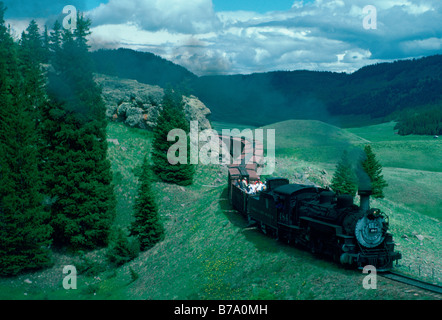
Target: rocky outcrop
195 110
139 105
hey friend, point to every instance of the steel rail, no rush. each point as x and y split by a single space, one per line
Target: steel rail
412 281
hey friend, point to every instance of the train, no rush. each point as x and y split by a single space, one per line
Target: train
310 216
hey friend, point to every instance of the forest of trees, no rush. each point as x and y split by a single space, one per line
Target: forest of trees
427 121
55 179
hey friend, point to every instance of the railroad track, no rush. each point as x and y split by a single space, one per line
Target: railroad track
414 282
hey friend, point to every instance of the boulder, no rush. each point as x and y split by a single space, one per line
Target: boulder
139 105
420 238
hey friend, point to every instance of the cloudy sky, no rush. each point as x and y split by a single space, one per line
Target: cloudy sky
246 36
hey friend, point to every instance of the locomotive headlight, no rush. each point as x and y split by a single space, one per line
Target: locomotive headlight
374 213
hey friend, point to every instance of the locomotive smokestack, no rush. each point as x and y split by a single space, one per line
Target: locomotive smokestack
364 194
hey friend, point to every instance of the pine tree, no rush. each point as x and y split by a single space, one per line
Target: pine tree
79 177
374 171
172 117
54 43
344 180
122 249
24 229
32 55
32 40
147 226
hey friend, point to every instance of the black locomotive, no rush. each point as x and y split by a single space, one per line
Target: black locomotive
316 218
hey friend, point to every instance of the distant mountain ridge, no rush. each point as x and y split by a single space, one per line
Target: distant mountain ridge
374 93
145 67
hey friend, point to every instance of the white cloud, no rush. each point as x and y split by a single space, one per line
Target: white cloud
319 35
129 34
232 17
20 25
313 35
191 16
261 55
417 9
334 4
429 44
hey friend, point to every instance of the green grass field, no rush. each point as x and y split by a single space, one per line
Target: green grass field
208 253
412 167
408 152
312 141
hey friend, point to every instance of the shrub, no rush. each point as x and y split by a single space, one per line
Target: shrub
122 248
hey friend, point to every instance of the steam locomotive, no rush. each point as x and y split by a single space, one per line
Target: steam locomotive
315 218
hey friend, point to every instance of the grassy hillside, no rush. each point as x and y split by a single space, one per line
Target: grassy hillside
312 141
408 152
412 167
208 252
417 189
